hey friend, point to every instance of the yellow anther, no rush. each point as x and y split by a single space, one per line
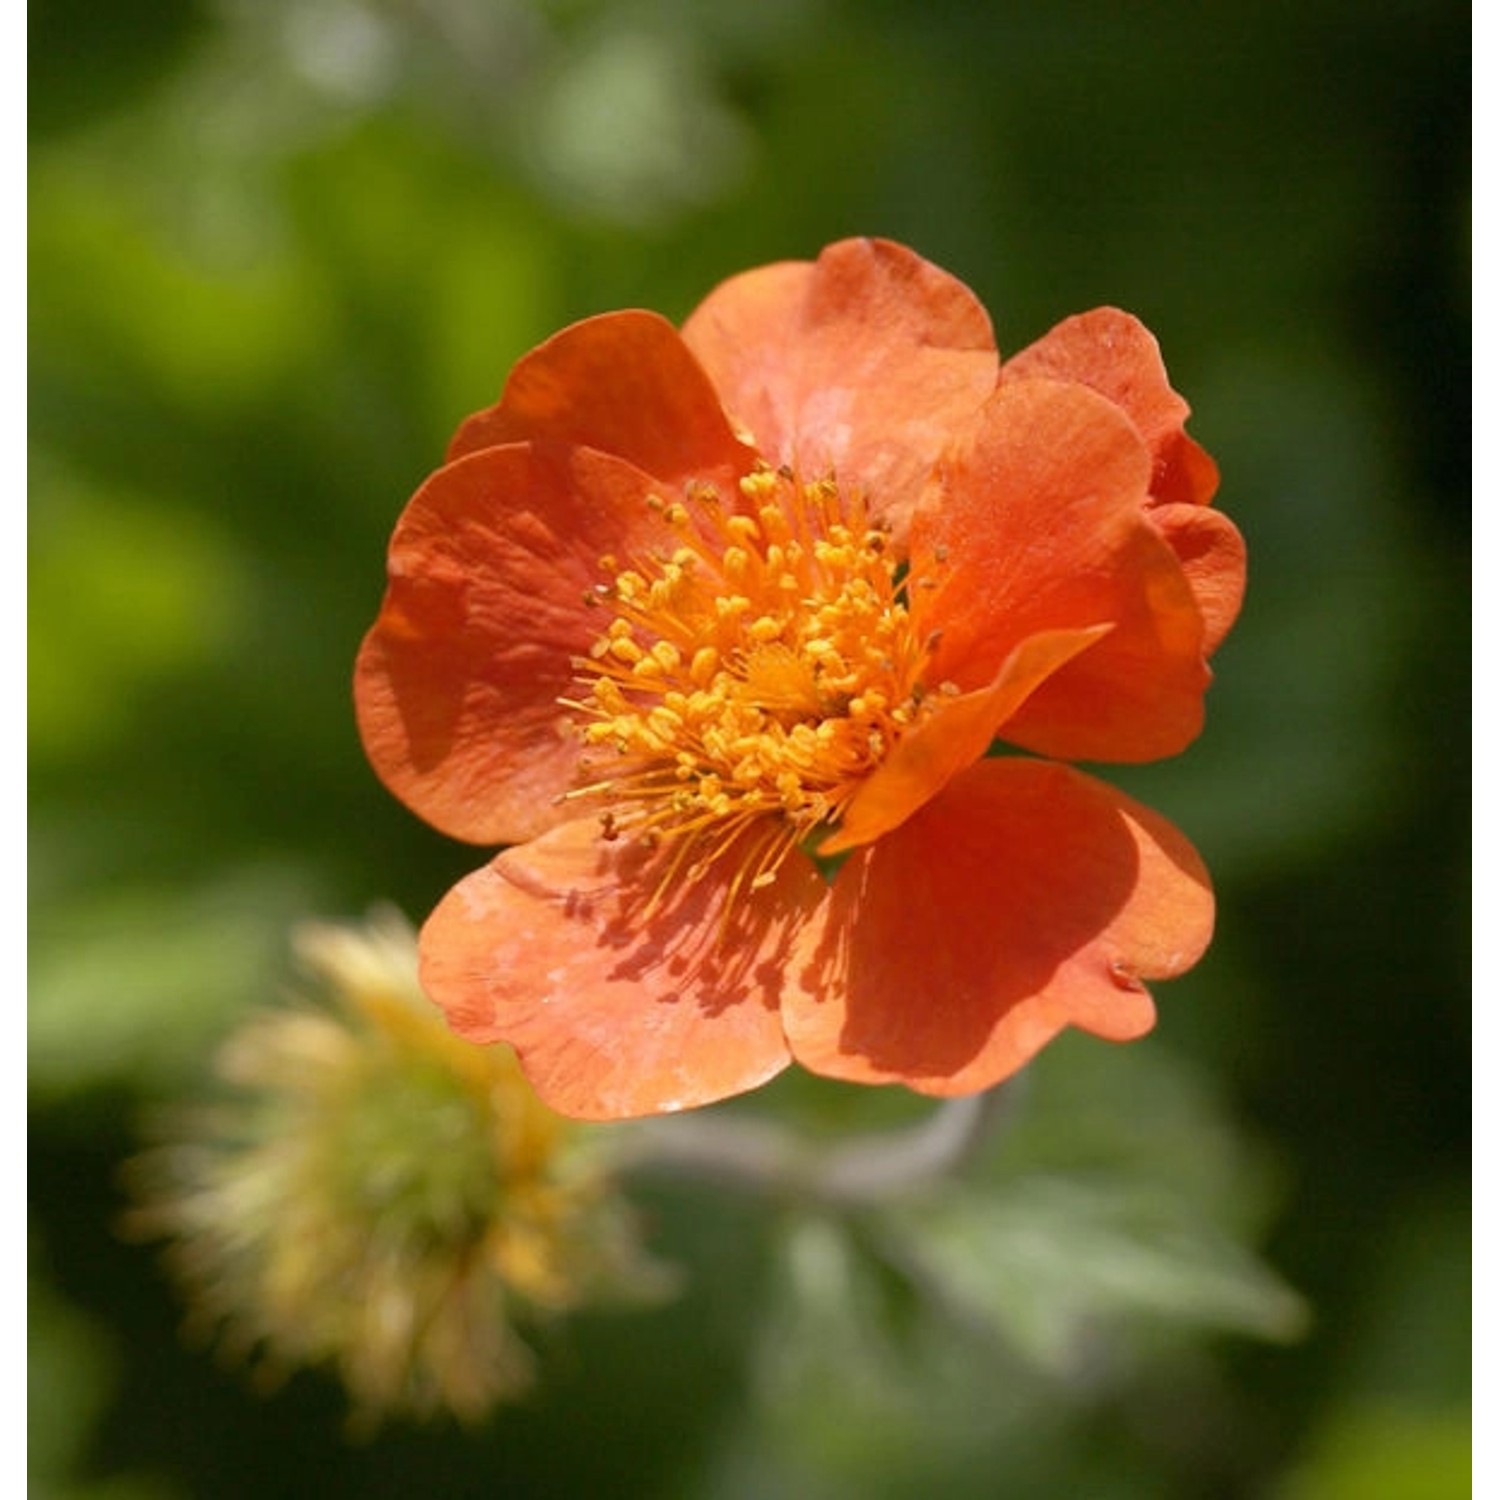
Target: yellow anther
748 678
748 772
704 665
608 697
760 485
664 722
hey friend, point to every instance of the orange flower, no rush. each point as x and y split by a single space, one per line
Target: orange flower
683 610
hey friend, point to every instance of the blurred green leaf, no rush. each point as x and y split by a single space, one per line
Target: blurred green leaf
84 61
438 273
124 591
126 288
1120 1200
132 985
1143 1115
841 1408
629 129
72 1370
1376 1452
1062 1268
69 1374
1413 1343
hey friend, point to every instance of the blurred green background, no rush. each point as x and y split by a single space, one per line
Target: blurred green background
278 248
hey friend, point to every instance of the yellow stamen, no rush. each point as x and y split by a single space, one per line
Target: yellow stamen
754 679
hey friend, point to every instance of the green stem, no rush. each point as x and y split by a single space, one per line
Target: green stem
761 1156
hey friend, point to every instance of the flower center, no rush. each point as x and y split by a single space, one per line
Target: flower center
752 678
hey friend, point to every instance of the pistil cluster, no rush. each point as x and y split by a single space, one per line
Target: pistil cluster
752 676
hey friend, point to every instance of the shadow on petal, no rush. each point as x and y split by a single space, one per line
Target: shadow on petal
619 1004
1024 898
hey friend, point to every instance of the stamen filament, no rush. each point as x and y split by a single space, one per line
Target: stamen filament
751 678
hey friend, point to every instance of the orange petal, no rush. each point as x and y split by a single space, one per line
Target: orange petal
1037 524
615 1013
457 683
859 364
1025 898
624 383
1118 356
1212 554
957 734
